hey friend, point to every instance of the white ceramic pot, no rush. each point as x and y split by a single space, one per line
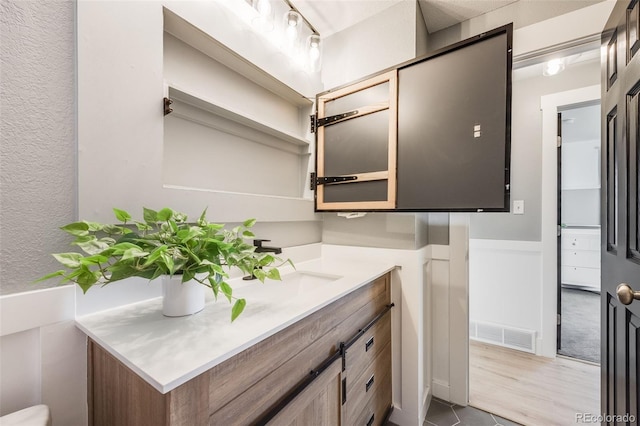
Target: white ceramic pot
180 299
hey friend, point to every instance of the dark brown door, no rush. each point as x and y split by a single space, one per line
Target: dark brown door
620 238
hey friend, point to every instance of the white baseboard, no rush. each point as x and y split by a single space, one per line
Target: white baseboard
441 389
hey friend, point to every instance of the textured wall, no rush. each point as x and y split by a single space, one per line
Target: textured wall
37 153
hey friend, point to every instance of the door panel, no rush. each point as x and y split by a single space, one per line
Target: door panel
611 150
362 192
620 263
377 95
359 142
357 146
632 143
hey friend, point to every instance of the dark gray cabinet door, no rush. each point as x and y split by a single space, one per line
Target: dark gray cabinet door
358 143
453 129
620 312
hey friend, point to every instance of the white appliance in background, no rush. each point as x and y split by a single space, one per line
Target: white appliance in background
580 258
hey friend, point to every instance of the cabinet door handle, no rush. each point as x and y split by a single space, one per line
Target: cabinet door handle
369 383
368 345
344 390
370 422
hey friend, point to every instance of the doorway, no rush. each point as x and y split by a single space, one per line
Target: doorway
579 232
513 279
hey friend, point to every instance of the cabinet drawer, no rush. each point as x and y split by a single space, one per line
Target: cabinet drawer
578 275
376 409
580 241
368 346
362 390
582 258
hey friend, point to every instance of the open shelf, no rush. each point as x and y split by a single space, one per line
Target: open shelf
204 42
182 95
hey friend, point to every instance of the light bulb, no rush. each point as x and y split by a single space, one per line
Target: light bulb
553 67
314 52
264 21
263 7
292 21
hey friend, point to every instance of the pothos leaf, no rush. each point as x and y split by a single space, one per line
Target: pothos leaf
121 215
78 229
226 290
237 309
70 260
249 223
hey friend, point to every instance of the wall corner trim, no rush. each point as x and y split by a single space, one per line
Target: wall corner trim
38 308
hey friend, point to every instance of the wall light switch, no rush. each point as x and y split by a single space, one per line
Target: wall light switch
518 207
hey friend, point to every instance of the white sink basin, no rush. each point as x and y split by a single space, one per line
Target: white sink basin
303 281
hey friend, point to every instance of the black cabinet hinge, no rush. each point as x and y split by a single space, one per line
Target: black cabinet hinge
325 121
167 109
312 117
315 181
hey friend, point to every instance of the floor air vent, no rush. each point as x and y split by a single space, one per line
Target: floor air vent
515 338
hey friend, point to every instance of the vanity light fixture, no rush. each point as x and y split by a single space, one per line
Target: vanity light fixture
553 67
293 34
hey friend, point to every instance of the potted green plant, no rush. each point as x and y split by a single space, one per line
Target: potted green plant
185 256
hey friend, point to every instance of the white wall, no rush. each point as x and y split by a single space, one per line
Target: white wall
505 285
370 46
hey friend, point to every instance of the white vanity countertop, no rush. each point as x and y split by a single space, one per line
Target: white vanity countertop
168 352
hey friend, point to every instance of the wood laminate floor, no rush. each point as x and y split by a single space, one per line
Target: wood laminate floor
532 390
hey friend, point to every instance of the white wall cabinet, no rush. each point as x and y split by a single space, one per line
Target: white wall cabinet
580 258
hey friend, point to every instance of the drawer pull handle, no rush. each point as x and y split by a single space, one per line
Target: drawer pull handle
369 383
370 422
368 345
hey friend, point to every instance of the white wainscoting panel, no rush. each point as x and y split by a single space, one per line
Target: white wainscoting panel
505 284
19 371
43 355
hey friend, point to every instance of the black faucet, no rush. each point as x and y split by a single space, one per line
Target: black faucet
263 249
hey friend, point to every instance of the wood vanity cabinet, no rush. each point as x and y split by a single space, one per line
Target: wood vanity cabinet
350 340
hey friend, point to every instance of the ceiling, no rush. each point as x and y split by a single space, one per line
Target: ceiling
332 16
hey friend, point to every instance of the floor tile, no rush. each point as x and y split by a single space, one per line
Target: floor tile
470 416
441 414
504 422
